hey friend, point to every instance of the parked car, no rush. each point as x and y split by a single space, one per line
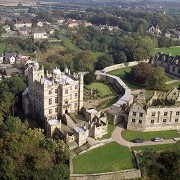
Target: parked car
138 140
158 139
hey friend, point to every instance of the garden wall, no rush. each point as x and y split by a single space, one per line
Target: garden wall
125 174
121 66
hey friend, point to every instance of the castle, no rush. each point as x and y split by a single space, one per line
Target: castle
160 112
54 94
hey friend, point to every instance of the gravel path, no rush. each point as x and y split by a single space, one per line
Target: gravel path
116 135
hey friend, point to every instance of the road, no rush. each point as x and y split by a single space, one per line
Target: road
116 135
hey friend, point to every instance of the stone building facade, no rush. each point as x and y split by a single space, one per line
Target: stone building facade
160 112
52 94
170 63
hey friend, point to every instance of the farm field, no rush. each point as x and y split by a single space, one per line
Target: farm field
130 135
107 158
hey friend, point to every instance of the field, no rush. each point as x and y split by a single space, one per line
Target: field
102 89
173 50
131 135
110 157
154 147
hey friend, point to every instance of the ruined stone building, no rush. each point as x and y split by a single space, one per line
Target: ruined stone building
160 112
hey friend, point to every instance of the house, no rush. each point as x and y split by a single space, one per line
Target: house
23 31
154 30
19 24
40 34
6 28
28 24
10 58
40 23
160 112
10 71
60 21
1 59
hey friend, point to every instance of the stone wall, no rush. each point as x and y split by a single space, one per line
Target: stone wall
125 174
121 66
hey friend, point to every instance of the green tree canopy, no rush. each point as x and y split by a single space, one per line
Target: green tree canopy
104 61
157 78
26 154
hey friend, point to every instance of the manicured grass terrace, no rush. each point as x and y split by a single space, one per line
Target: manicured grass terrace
131 135
103 90
107 158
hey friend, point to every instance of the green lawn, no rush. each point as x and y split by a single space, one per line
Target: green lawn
170 86
111 128
110 157
2 47
173 50
102 89
107 103
131 135
120 73
156 147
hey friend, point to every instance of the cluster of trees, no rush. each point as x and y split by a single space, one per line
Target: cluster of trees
145 73
26 154
161 164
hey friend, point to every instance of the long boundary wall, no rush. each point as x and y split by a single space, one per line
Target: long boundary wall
121 66
125 174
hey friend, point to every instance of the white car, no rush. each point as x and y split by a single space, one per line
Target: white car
158 139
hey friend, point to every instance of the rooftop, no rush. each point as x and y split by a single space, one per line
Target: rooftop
53 122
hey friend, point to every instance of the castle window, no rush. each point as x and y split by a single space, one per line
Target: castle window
176 120
177 113
153 114
50 101
76 87
164 120
152 121
133 120
56 91
56 110
50 111
165 113
75 105
140 114
50 91
66 91
70 88
140 121
134 113
70 96
56 99
76 96
173 68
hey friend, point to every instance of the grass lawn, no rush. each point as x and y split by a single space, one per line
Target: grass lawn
170 86
131 135
110 157
173 50
111 128
103 90
120 73
107 103
156 147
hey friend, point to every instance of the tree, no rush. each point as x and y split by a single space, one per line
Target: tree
89 78
104 61
157 78
84 61
119 57
140 73
26 154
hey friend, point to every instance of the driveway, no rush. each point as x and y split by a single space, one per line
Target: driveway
116 135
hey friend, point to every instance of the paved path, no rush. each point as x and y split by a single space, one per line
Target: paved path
116 135
172 81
